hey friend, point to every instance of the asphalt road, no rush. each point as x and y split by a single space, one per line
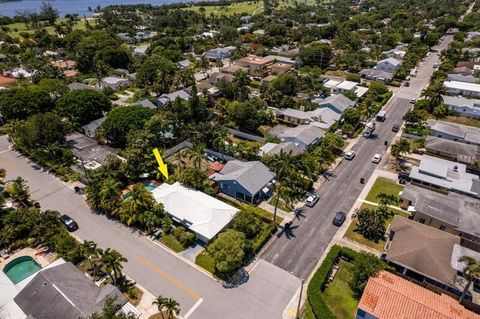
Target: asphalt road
266 294
300 252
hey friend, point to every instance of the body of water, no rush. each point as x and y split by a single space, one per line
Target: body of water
10 8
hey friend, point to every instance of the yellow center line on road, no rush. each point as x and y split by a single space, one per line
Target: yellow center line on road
169 277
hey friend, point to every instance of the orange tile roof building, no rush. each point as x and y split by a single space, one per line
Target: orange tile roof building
389 296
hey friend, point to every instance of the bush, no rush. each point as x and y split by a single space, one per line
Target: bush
263 237
183 236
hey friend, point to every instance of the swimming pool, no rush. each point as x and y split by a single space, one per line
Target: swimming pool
149 186
21 268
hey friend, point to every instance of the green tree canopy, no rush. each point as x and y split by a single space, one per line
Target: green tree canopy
317 54
121 121
83 106
21 102
228 251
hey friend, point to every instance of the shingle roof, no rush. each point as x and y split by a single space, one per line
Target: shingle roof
64 292
306 134
146 103
422 248
339 101
253 176
273 148
388 296
465 153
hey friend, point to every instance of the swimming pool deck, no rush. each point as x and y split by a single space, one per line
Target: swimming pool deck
41 260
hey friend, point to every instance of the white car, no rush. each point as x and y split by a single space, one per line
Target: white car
376 158
413 101
349 155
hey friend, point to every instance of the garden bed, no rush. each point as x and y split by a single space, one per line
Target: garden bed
171 242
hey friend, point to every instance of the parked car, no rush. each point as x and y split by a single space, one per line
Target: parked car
396 127
349 155
368 133
69 223
311 199
407 84
339 219
376 158
413 101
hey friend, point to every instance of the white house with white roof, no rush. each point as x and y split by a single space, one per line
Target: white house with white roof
462 106
204 215
462 88
438 173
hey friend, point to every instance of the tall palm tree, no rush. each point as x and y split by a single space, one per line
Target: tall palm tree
92 253
160 303
471 273
110 196
400 147
92 193
172 308
112 260
139 201
282 164
221 136
196 154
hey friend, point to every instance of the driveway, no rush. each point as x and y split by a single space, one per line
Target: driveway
265 295
300 252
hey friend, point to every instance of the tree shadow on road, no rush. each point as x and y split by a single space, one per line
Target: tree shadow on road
288 231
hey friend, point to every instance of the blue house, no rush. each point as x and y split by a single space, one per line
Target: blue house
220 53
245 181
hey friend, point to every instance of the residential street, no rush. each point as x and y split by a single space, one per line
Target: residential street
299 253
265 295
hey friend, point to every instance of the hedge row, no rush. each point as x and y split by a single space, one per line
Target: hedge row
263 236
319 280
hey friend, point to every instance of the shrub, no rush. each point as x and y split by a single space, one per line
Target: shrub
183 236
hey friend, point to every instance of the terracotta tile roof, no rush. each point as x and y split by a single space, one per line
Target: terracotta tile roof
5 81
388 296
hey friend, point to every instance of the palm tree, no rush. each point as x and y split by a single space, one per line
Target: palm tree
92 253
471 272
242 82
282 164
160 302
92 193
196 155
112 260
139 201
400 147
110 196
221 136
19 190
172 308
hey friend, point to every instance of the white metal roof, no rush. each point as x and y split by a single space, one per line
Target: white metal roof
471 87
198 211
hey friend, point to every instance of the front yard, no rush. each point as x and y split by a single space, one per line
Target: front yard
339 296
357 237
383 185
462 120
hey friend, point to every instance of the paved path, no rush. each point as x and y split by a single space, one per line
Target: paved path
298 254
266 294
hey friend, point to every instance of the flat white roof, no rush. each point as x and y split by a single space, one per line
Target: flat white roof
332 83
347 85
360 91
198 211
472 87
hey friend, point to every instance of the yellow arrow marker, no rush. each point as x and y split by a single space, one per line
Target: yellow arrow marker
162 167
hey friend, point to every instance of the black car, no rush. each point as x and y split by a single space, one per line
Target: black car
339 218
395 128
69 223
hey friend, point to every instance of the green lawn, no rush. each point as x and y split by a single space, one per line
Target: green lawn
338 295
353 235
16 28
281 205
383 185
462 120
205 261
234 8
172 243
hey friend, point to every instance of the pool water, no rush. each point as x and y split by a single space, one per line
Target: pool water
21 268
149 186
